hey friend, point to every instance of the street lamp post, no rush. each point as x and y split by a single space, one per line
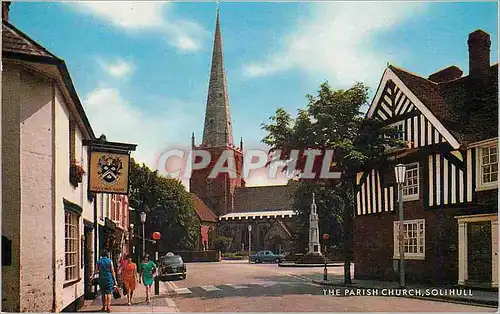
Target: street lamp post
143 221
249 238
400 171
325 272
132 239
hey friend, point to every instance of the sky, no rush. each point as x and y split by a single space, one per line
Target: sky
141 69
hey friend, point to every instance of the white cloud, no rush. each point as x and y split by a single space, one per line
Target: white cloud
111 114
146 16
337 41
119 68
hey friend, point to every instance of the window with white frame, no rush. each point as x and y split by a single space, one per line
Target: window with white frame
414 238
71 244
488 163
410 187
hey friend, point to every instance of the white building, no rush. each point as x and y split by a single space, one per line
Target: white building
47 217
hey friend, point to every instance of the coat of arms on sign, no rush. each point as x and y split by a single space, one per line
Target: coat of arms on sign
110 169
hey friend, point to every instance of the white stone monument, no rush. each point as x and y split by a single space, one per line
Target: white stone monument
314 246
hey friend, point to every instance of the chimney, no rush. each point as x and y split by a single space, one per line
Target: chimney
5 10
479 52
445 75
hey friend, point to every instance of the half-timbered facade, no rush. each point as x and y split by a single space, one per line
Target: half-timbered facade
450 125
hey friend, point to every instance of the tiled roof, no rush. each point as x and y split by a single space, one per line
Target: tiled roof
259 214
14 40
203 211
273 197
459 104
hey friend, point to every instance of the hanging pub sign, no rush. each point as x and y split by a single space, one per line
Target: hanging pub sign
109 166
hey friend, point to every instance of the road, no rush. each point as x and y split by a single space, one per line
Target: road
237 286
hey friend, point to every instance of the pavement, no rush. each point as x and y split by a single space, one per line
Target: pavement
159 303
447 294
291 264
238 286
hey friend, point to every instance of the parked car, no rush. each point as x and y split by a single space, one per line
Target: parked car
265 256
171 265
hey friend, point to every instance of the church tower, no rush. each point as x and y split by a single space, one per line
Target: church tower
218 193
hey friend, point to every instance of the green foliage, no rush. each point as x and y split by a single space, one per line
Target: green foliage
236 256
332 120
222 243
329 208
171 211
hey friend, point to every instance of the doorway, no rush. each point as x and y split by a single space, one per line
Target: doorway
479 255
87 262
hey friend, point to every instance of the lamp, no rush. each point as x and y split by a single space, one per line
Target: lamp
326 236
249 238
400 171
143 221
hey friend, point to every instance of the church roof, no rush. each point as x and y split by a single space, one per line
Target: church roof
202 210
259 198
259 214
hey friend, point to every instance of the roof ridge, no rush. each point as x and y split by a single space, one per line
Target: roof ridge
412 73
28 39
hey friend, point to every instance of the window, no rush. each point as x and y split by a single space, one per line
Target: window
488 163
410 187
414 239
101 206
72 141
400 127
106 203
71 244
400 135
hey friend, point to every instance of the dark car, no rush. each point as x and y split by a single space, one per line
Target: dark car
265 256
171 266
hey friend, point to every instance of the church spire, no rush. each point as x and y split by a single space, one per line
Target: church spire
217 130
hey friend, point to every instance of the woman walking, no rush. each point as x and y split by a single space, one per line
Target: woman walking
148 269
130 277
107 280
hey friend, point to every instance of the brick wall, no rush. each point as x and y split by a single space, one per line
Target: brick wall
374 246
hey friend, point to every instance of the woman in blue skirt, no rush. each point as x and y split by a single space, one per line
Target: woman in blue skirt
107 280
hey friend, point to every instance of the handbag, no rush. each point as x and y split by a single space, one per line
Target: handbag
116 293
94 279
124 288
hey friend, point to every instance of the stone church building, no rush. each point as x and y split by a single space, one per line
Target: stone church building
266 209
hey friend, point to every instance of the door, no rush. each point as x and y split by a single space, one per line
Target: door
87 262
479 252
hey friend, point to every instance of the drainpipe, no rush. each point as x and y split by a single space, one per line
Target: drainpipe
54 257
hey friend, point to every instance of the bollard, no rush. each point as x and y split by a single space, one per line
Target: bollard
157 286
157 282
325 272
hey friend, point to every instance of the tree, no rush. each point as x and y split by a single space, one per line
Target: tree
329 208
222 243
333 121
171 211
